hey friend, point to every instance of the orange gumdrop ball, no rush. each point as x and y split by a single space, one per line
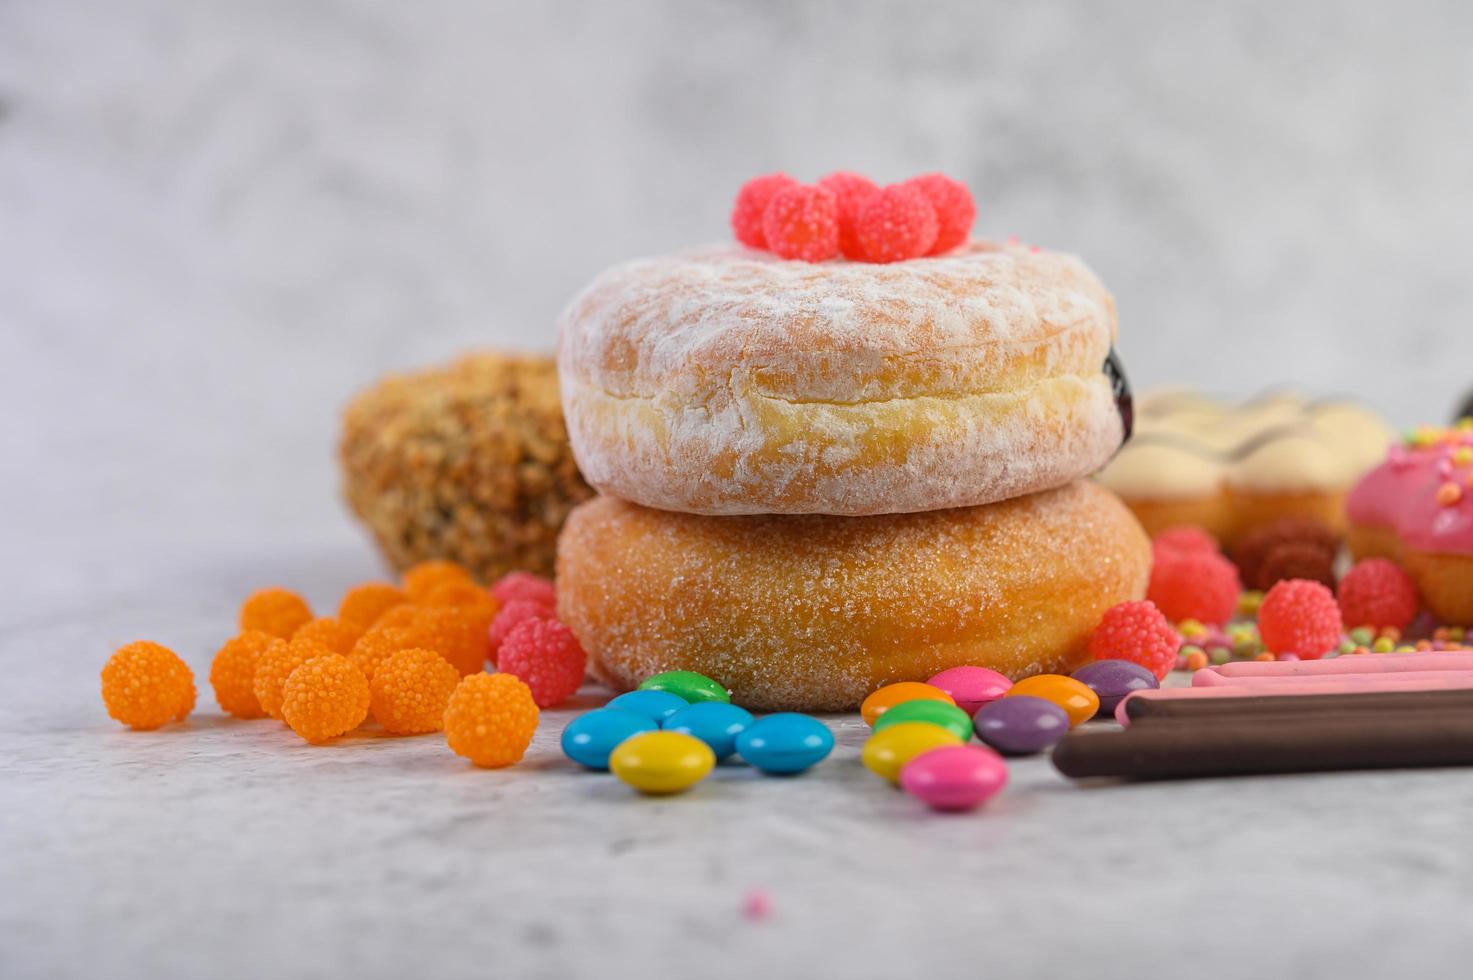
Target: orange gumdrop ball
1078 700
325 697
276 665
459 636
145 685
380 643
427 576
410 691
490 719
233 673
887 697
363 605
276 611
331 633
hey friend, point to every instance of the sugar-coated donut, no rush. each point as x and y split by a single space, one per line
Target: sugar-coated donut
1231 468
812 613
727 381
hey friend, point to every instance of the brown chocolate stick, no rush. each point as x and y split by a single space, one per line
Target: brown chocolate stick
1177 749
1150 709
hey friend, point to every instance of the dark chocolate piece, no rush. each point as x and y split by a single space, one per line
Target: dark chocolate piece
1120 385
1148 710
1179 749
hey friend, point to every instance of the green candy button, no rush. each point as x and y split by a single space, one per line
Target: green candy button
938 713
687 684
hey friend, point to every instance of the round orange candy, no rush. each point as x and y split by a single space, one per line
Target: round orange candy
427 576
491 719
275 611
233 673
364 604
1077 699
325 697
410 691
331 633
890 695
465 596
380 643
145 686
276 665
459 636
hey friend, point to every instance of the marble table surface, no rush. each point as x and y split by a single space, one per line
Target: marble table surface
232 849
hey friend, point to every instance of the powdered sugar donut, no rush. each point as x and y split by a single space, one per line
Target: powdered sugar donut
814 612
726 381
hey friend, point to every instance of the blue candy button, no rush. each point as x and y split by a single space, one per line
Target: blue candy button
713 722
590 737
654 705
785 742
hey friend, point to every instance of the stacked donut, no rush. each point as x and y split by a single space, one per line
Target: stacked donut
818 478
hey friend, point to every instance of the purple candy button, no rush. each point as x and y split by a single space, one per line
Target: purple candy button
1020 724
1113 680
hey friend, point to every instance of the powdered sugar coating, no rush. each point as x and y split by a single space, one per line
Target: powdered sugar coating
813 612
726 381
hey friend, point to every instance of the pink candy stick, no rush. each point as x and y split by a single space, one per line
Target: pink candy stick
1212 678
1429 680
1375 663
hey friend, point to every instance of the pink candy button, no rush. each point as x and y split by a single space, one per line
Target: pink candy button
972 687
954 777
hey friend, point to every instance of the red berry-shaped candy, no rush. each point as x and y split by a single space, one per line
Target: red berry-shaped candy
1299 616
512 615
802 222
1185 537
546 656
524 585
898 222
955 209
851 190
1138 632
1377 593
751 204
1200 585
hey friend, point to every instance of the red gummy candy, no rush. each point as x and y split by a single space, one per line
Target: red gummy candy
955 209
751 203
1377 593
898 222
1300 616
851 190
802 222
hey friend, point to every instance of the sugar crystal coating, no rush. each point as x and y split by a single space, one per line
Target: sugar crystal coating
276 611
324 697
490 719
410 691
233 673
145 686
1301 617
1138 632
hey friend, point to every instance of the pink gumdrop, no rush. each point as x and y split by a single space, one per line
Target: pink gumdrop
954 777
971 687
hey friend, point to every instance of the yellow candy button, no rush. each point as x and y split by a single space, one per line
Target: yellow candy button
1079 702
889 749
661 763
890 695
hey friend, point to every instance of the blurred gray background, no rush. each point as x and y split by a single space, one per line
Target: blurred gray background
219 219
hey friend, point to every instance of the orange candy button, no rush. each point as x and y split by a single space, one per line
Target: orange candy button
1078 701
890 695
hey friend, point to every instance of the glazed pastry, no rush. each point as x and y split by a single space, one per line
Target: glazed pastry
815 612
725 381
1231 468
1417 508
469 462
